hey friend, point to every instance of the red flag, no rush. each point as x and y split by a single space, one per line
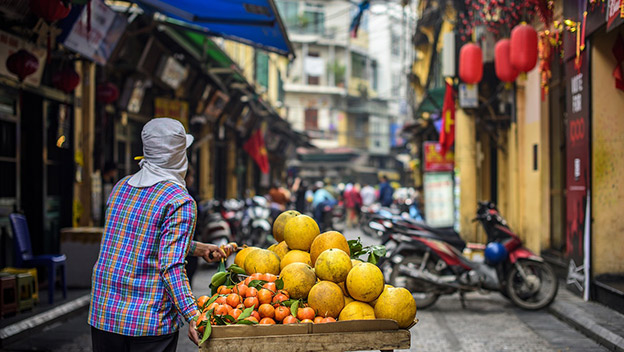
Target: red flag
447 133
256 149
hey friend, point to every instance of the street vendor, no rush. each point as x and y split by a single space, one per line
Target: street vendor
140 291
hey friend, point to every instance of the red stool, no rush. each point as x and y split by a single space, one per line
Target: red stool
8 294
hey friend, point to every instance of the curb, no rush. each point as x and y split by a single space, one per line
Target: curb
14 331
577 318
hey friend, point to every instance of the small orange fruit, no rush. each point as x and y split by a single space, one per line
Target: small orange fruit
307 321
256 276
279 298
265 296
281 312
252 319
270 286
201 301
252 292
251 302
318 319
305 313
289 320
235 313
241 289
267 321
256 315
221 300
328 320
241 306
212 305
223 290
266 311
200 319
221 310
270 277
233 299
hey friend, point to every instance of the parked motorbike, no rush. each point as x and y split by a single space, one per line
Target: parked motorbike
232 211
211 226
256 223
430 267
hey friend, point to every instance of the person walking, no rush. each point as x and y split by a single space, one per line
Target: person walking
140 292
385 192
353 202
368 195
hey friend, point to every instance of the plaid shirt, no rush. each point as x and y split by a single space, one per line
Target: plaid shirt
139 284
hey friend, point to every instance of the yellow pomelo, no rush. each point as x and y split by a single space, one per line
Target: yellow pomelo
365 282
280 249
300 231
280 222
327 240
357 310
242 254
344 288
298 279
272 247
398 304
262 261
375 301
348 300
355 262
295 256
326 299
333 265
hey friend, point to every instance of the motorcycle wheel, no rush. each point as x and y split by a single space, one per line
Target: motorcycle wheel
537 291
420 291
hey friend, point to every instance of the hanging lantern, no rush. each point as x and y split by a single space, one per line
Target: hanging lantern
66 80
50 10
22 64
107 93
523 47
470 63
505 71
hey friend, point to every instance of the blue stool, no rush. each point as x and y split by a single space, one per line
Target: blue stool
25 259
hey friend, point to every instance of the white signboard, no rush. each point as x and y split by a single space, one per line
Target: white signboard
439 201
314 66
468 95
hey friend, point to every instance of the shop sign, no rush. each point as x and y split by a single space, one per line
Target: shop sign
434 160
175 109
216 104
614 14
10 44
172 72
99 42
468 95
439 201
578 172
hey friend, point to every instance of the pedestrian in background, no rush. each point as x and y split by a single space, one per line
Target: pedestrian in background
368 195
353 201
140 292
385 192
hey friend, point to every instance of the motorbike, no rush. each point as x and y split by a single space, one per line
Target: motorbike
232 211
256 223
211 225
430 267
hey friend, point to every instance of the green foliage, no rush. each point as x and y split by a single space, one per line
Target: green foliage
374 252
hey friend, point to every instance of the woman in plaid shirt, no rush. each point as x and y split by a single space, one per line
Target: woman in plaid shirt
140 291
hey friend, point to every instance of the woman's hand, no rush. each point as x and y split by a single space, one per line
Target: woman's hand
209 252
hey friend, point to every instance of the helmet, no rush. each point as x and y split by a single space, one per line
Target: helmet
495 253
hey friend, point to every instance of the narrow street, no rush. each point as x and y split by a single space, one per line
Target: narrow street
489 323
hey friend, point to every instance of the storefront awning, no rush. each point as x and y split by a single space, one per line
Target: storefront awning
253 22
432 102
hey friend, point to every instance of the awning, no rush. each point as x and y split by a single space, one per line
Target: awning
432 102
253 22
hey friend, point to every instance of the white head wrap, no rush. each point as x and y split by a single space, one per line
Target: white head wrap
164 153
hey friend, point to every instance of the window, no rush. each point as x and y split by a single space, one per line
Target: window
374 75
262 68
358 65
289 12
313 21
314 68
311 119
395 44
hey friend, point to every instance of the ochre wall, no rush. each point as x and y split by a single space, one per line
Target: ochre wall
607 159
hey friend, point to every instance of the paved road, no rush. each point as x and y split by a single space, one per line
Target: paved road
489 323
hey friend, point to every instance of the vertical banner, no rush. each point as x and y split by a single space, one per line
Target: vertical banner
578 168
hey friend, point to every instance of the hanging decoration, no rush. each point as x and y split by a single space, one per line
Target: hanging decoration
523 49
618 53
88 4
66 79
22 64
49 11
470 63
545 49
107 93
505 71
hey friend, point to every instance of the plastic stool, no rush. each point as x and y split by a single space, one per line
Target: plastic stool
8 294
25 288
32 272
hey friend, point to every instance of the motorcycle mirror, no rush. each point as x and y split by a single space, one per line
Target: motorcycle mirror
376 226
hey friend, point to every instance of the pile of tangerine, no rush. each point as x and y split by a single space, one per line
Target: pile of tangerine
268 303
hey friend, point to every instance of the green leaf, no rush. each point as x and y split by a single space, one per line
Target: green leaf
355 248
246 322
211 301
236 269
219 320
228 319
289 302
221 266
372 258
379 250
246 313
279 284
206 335
293 308
257 284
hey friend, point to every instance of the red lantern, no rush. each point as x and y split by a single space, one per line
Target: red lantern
66 80
50 10
505 71
523 49
470 63
107 93
22 64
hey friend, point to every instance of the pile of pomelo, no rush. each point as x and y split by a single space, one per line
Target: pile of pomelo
307 276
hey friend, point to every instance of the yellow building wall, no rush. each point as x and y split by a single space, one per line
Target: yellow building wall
607 163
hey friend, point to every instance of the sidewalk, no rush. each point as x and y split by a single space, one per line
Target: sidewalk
598 322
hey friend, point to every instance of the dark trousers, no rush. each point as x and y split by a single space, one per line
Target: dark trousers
104 341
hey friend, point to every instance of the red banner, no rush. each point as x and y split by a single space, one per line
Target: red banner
256 149
435 160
